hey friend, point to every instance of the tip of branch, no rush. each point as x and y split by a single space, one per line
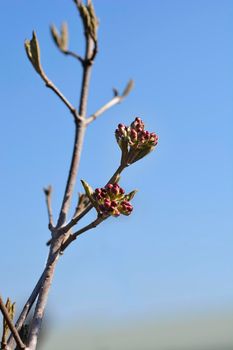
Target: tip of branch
128 88
115 92
47 190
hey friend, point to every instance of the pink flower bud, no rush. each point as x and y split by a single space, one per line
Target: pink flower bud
122 191
115 190
116 213
107 203
133 134
121 126
109 187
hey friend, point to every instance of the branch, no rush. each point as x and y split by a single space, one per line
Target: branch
48 194
43 296
75 55
61 41
33 52
11 326
83 201
49 84
115 100
79 135
26 309
73 236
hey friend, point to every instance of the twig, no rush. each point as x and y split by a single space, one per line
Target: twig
26 309
73 236
11 326
115 100
73 54
83 201
48 194
43 295
50 85
79 135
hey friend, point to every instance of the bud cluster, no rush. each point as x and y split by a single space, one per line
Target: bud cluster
134 141
111 200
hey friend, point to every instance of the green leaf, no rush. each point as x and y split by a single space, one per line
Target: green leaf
89 192
64 37
131 195
60 39
33 52
88 189
142 153
55 35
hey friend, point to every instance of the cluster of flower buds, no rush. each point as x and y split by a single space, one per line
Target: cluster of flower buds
110 200
134 141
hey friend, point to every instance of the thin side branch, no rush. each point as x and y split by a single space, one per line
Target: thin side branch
49 84
48 195
75 55
73 236
115 100
26 309
11 326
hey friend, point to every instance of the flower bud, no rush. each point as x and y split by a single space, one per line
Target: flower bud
135 142
110 200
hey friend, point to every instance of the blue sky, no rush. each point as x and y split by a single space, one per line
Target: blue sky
173 254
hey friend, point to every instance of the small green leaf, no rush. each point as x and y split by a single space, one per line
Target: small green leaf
93 22
89 192
64 37
11 312
88 189
142 153
131 195
33 52
55 35
89 19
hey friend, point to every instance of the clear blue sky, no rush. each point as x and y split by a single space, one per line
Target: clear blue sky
174 253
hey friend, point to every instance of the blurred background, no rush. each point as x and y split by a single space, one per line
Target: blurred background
161 278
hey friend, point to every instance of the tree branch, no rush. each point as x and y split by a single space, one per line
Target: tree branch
115 100
73 236
79 135
43 295
49 84
48 195
11 326
26 309
73 54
